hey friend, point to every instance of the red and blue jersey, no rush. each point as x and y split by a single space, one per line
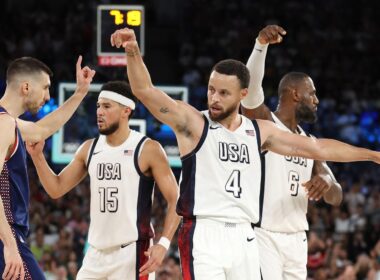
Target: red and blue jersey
14 186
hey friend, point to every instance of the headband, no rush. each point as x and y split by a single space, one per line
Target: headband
117 98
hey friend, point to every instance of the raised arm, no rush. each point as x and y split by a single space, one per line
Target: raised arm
13 261
38 131
253 105
163 175
58 185
177 114
286 143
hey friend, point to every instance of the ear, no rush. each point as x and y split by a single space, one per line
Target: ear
295 95
243 93
25 88
126 112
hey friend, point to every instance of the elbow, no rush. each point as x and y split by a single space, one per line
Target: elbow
54 195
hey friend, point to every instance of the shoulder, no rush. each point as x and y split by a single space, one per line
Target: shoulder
151 146
7 121
83 149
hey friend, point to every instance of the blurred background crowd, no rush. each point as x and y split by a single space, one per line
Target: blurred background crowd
334 42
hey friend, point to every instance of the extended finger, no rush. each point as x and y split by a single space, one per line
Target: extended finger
79 62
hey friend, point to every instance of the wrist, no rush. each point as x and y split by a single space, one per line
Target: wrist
164 242
260 44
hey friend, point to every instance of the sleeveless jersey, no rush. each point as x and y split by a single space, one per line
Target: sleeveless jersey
222 177
121 195
285 199
14 185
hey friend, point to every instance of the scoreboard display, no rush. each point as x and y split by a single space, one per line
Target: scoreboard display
111 18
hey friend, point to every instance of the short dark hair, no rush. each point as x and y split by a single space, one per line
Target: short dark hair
291 80
26 65
122 88
234 67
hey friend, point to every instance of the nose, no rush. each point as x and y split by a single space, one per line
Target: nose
316 100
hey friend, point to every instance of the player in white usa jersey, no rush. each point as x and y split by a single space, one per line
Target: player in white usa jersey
213 243
281 233
123 166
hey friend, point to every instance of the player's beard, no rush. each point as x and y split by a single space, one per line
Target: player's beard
109 130
222 115
306 114
31 107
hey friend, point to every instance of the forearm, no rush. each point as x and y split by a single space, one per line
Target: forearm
139 77
55 120
48 179
256 66
333 150
171 221
334 195
6 234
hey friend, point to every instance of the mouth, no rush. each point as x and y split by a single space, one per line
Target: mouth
215 109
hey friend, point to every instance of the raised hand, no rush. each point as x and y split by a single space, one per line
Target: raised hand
271 34
125 38
84 76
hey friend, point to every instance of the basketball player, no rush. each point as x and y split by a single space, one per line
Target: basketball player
28 82
221 189
123 165
281 234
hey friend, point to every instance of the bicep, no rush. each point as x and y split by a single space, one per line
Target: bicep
30 131
289 144
163 174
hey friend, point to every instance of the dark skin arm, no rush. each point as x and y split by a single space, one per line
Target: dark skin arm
323 184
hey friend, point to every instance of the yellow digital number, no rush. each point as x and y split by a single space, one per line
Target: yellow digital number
134 18
118 17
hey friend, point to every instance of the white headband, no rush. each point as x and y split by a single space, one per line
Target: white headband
117 98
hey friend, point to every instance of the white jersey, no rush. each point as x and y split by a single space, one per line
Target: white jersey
121 196
285 200
222 177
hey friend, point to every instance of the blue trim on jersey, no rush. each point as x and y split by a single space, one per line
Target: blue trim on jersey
17 186
136 159
93 145
262 181
200 143
185 204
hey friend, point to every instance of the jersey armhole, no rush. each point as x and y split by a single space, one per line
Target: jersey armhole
15 144
93 145
136 156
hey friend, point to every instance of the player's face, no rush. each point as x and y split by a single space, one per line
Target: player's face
108 116
306 110
38 87
223 96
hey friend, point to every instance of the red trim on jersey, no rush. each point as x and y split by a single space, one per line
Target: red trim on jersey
14 148
185 245
15 144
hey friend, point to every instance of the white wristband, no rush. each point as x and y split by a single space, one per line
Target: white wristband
164 242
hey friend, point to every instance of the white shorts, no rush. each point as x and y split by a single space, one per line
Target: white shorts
282 255
218 251
115 263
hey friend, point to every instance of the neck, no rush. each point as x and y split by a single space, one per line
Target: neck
287 117
232 122
119 136
12 104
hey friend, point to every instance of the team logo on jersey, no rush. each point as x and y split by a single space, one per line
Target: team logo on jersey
297 160
108 171
233 152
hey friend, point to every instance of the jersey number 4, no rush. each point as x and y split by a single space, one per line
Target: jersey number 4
233 184
108 199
